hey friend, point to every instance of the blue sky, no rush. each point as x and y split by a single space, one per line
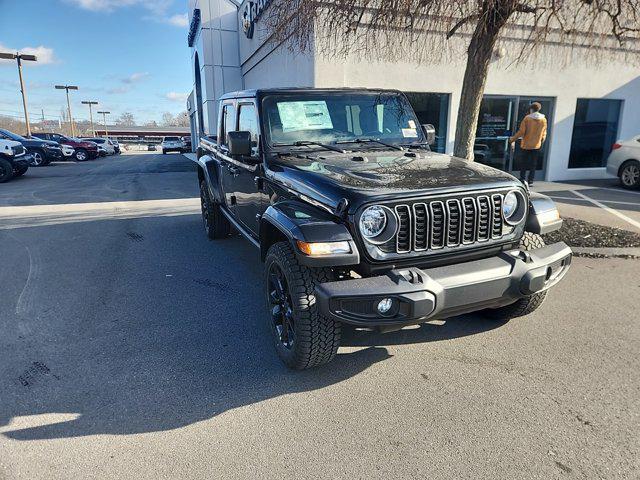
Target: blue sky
129 55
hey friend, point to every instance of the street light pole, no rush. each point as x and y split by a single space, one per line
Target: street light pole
91 115
19 57
104 117
67 88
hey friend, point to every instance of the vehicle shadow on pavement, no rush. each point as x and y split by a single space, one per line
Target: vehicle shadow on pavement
161 338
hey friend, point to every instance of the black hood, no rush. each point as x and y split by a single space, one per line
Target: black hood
363 176
37 142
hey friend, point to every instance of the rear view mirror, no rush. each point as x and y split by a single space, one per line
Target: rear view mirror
239 143
430 133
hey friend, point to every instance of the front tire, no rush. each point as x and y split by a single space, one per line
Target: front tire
630 175
6 170
302 336
526 305
20 172
38 159
215 223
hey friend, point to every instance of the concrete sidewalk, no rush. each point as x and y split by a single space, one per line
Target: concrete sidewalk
598 201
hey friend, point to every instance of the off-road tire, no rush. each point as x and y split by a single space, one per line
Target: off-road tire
317 337
20 172
526 305
216 225
6 170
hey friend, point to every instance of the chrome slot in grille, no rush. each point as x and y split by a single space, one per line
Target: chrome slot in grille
448 223
438 225
421 239
484 218
403 237
496 225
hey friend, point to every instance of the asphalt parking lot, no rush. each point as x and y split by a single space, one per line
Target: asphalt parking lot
133 347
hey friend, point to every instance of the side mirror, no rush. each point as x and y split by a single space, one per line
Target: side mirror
430 133
239 143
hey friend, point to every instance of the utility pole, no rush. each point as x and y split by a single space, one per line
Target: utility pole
104 117
19 58
67 88
91 115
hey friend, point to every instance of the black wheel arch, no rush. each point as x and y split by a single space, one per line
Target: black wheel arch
294 221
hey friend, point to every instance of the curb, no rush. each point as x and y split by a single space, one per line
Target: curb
606 252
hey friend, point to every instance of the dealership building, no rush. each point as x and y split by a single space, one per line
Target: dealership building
588 107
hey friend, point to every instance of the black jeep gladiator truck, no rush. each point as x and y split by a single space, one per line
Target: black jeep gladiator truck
358 222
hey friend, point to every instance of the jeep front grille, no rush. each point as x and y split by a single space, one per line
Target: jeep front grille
452 222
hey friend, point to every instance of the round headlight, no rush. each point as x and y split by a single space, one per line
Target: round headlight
372 221
509 205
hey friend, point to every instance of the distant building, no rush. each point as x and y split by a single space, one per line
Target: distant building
587 108
137 134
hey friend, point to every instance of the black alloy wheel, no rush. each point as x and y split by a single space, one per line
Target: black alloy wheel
281 308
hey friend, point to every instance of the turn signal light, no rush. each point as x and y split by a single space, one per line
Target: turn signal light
323 248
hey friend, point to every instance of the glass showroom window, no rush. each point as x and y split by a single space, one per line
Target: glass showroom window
595 130
432 108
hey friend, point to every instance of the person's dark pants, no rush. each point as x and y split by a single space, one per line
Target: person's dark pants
528 163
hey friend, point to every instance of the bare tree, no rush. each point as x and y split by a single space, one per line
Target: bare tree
126 120
422 30
167 119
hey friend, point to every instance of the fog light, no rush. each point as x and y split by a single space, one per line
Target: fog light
384 305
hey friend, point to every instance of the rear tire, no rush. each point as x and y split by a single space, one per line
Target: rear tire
6 170
526 305
630 174
215 223
302 336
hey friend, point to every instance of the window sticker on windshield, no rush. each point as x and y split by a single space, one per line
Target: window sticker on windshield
412 124
409 133
307 115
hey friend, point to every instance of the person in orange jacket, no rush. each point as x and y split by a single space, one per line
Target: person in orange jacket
533 132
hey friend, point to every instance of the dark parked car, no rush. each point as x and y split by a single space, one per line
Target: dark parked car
83 150
358 222
14 160
43 152
187 143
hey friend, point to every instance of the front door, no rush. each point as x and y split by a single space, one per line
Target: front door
500 117
239 175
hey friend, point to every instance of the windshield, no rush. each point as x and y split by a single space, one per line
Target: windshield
171 139
331 117
12 136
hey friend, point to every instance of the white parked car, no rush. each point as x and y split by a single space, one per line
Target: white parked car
172 144
67 150
104 144
624 162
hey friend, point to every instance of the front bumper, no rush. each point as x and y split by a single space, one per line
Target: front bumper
22 161
53 153
447 291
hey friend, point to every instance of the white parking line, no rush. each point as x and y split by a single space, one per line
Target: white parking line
608 209
559 197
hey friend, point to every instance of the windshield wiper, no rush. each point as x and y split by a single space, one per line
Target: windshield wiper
423 145
372 140
306 143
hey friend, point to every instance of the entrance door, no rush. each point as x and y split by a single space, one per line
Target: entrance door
500 117
523 111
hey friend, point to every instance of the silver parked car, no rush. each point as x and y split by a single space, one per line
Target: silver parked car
624 162
172 144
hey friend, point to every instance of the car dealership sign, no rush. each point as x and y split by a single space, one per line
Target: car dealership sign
251 14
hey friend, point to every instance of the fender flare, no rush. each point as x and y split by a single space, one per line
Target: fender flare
295 221
209 171
543 215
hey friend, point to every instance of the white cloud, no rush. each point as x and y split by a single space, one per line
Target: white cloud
179 20
135 77
177 97
45 54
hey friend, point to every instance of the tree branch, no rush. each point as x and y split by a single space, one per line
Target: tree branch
460 24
